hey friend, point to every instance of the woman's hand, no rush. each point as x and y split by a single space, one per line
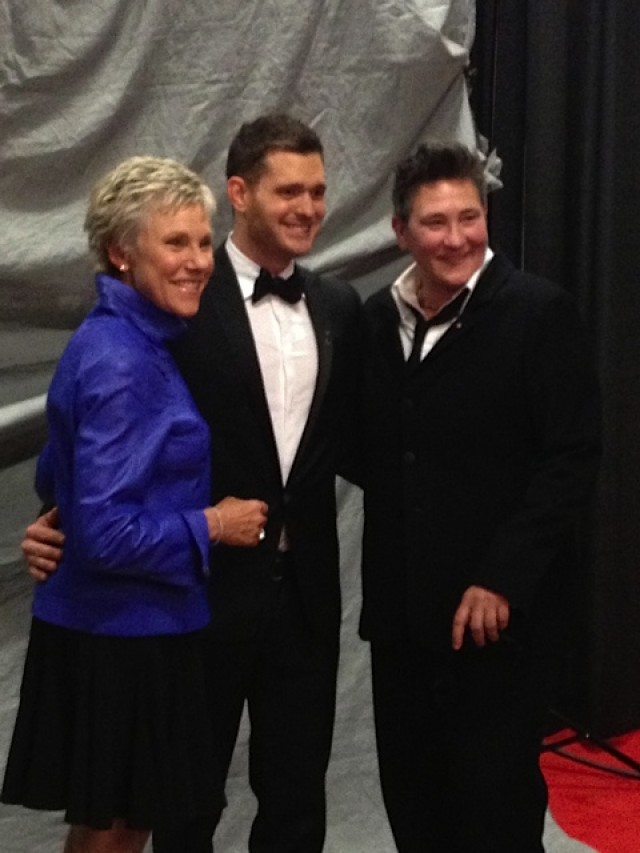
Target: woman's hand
237 522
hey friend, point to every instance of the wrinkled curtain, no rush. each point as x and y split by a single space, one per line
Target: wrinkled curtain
84 85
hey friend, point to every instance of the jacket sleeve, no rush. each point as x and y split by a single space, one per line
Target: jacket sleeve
120 518
350 463
45 477
564 404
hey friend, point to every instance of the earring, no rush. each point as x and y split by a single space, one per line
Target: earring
122 267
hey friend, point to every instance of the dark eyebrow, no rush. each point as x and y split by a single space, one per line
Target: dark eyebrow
300 187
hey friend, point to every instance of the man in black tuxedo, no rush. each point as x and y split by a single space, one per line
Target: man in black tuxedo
273 367
482 439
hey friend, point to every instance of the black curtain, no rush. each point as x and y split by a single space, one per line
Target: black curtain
554 86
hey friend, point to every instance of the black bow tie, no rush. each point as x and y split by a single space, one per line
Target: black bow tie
289 289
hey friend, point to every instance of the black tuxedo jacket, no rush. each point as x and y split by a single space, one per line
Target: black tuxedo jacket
478 464
218 360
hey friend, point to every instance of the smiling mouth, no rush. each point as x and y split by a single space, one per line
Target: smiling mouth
301 229
456 261
189 284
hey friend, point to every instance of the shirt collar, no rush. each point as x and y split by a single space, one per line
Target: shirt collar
246 270
404 288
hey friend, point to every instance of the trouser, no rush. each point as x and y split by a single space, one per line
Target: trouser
287 676
458 737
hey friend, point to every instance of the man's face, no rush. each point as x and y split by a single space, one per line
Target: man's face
279 216
446 233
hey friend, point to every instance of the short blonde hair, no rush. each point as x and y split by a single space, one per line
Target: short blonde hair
120 202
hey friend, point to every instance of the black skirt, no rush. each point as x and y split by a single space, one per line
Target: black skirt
114 728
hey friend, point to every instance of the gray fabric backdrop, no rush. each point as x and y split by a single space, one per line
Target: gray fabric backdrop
84 85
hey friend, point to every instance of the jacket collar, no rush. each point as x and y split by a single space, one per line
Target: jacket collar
384 312
120 299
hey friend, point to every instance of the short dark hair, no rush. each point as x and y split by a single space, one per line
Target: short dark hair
271 132
436 161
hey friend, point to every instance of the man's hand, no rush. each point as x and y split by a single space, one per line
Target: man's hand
42 545
485 613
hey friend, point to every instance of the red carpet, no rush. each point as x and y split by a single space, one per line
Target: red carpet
592 806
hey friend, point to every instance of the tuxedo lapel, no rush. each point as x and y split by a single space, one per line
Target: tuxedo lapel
227 303
319 316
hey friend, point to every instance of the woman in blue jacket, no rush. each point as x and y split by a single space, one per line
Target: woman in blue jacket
112 719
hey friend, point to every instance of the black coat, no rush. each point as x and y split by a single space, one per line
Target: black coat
477 466
219 362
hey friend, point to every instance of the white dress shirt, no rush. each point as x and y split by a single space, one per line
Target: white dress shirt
288 356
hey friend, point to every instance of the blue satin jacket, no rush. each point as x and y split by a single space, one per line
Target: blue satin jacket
127 463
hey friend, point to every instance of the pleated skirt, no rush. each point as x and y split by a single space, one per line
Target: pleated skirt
114 728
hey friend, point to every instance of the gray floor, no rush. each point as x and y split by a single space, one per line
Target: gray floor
356 816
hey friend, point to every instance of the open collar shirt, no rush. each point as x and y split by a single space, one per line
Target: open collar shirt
404 292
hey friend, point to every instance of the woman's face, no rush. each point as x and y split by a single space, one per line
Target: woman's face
172 259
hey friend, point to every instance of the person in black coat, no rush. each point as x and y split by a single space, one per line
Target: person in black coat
481 418
273 368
